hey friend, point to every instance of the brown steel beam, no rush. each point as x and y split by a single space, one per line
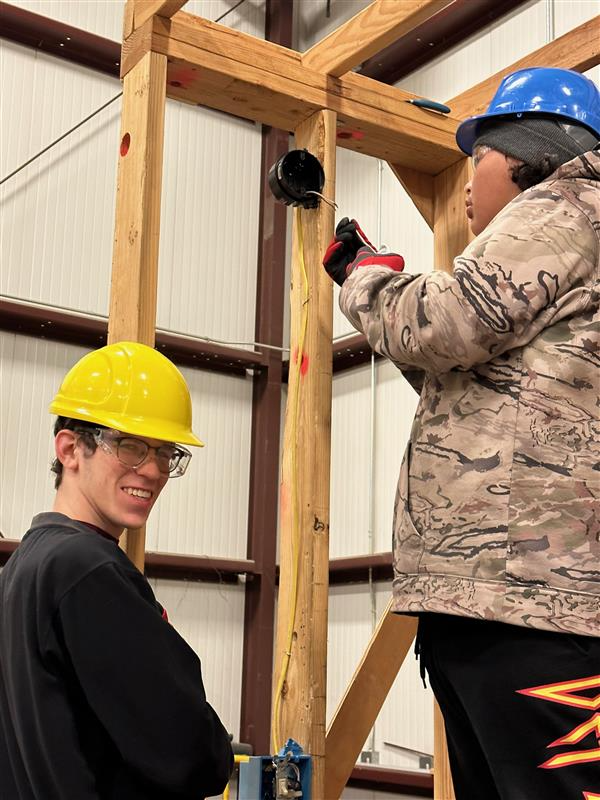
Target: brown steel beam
198 568
257 664
71 328
358 569
438 34
353 569
385 779
58 39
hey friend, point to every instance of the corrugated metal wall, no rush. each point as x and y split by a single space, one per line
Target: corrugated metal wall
56 248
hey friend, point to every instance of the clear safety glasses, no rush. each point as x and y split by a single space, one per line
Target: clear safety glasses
171 460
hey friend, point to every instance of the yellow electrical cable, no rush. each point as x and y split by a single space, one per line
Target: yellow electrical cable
295 400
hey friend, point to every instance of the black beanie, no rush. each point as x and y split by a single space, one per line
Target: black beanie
533 140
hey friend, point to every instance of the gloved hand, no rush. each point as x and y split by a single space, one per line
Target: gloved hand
350 249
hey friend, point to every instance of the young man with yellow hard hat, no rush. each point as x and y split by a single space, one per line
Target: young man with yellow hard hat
100 698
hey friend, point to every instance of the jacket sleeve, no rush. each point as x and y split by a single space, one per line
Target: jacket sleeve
532 266
144 684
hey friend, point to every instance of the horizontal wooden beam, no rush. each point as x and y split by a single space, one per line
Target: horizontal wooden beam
371 30
215 66
144 9
578 49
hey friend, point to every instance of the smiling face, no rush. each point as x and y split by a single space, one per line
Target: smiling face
491 187
99 489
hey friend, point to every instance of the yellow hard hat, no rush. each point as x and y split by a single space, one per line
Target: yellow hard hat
132 388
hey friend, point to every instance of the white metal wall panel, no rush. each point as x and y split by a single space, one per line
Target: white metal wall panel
403 229
57 213
566 16
395 406
209 224
350 629
210 617
31 372
357 195
105 17
311 23
206 511
350 451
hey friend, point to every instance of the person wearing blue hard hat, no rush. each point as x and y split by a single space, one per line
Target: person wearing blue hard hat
496 538
539 119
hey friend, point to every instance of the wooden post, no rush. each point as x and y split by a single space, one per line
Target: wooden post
132 312
451 234
366 693
301 643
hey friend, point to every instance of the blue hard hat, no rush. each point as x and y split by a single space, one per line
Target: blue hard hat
559 93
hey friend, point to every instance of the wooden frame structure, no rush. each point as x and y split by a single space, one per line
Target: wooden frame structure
167 52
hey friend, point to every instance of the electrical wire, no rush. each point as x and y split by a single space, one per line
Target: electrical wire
60 138
295 406
93 114
233 8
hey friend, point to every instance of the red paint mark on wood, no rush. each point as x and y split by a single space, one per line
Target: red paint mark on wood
304 363
125 142
358 135
183 77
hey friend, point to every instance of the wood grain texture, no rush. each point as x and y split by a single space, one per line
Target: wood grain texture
145 9
364 697
215 66
450 226
371 30
443 788
305 470
132 310
419 186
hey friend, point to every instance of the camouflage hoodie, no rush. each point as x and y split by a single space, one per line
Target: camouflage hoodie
497 512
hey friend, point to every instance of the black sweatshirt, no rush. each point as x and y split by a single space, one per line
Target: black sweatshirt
99 696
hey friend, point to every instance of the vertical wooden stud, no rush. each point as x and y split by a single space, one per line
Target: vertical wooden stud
132 311
451 234
299 702
442 778
451 230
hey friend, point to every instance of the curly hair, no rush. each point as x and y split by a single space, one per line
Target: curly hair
84 429
526 175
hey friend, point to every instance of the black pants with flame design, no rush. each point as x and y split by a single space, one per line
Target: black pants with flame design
521 708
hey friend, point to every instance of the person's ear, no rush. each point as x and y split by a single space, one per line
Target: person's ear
67 449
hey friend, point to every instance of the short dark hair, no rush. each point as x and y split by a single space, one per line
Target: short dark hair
527 175
82 427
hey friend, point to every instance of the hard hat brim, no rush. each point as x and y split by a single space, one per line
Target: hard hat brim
147 427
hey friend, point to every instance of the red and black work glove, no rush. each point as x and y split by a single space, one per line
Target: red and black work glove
350 249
